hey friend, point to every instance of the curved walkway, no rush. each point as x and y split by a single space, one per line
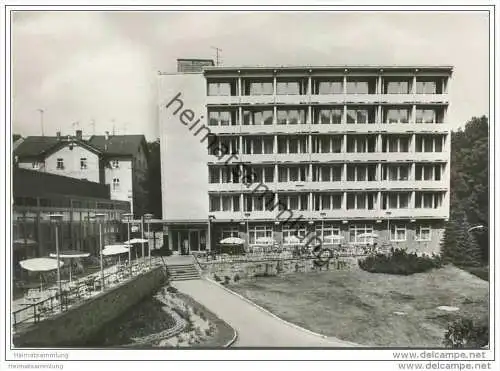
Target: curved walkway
255 327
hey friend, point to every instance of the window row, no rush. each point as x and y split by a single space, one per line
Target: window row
357 233
326 116
328 201
295 144
334 85
324 173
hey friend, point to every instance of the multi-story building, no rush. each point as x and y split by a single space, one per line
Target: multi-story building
38 195
120 161
345 150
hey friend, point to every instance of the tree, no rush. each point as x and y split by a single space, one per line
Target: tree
469 179
459 246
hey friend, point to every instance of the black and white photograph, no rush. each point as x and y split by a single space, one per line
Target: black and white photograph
249 182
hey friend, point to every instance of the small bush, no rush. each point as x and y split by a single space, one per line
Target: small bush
400 262
217 278
172 290
236 278
227 280
464 333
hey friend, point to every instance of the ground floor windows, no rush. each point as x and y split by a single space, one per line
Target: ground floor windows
398 232
294 236
361 233
326 231
423 233
229 232
260 234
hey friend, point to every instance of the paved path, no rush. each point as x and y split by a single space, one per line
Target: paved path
255 327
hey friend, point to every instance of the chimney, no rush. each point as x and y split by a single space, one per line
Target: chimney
79 134
58 135
106 135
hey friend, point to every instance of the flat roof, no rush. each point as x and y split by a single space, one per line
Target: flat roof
331 67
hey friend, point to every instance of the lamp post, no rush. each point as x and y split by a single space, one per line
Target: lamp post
209 232
57 218
148 218
247 215
99 218
142 237
322 226
127 217
388 214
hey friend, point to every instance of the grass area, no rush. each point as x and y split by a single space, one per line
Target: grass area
359 306
481 272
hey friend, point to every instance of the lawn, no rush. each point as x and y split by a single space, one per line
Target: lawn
359 306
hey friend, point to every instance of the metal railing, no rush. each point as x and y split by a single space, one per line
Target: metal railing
264 253
77 292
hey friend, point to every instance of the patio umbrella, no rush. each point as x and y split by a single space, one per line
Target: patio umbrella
333 239
40 265
24 241
110 250
368 235
135 241
293 240
70 254
232 241
265 240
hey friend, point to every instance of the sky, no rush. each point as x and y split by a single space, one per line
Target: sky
101 67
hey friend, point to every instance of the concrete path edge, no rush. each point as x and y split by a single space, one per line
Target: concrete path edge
275 316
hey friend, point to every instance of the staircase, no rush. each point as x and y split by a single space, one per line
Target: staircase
182 272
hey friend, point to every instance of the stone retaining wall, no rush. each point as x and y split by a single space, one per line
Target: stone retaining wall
81 322
272 267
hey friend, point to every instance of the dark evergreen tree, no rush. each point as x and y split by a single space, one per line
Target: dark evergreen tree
469 193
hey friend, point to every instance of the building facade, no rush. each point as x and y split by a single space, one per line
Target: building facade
38 195
120 161
319 151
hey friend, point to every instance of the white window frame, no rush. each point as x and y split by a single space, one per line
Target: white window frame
300 233
60 164
257 231
419 233
359 229
326 230
395 229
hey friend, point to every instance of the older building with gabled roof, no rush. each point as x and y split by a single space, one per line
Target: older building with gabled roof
121 161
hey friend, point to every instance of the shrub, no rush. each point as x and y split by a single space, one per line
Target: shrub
464 333
399 262
227 280
236 278
172 290
217 278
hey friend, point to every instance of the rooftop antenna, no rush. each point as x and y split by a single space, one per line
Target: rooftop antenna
217 55
92 125
41 119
